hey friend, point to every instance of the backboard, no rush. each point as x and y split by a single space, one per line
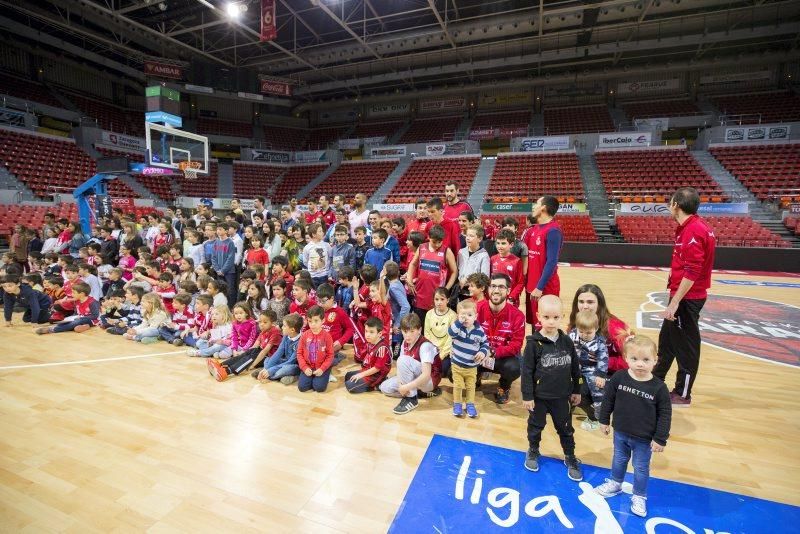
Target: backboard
167 147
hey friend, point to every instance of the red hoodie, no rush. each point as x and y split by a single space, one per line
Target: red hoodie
505 330
692 257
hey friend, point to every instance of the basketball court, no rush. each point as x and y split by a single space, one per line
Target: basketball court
99 433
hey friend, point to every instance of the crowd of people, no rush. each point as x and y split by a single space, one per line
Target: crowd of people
438 296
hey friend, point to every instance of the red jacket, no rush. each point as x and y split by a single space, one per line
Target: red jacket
512 267
505 330
338 324
257 256
692 257
451 235
315 351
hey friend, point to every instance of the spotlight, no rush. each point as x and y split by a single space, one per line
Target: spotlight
234 10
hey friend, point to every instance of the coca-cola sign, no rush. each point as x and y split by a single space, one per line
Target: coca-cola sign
163 70
271 87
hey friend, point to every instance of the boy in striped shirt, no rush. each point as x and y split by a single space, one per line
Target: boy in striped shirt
469 341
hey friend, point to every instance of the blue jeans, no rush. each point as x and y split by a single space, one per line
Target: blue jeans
626 445
278 366
147 332
168 334
70 326
206 349
318 383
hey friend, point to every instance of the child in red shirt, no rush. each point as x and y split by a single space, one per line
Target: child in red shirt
508 264
377 360
256 253
314 353
269 338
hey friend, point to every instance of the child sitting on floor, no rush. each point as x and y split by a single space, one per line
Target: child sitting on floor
219 337
153 317
377 360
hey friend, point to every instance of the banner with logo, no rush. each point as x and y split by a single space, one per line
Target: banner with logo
199 88
163 70
387 151
615 139
572 207
555 142
653 123
270 155
269 31
374 141
446 149
708 208
349 144
122 141
492 99
445 104
757 133
272 87
310 156
393 208
526 207
736 77
482 133
653 86
388 110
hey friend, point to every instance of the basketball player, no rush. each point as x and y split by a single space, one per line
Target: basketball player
543 240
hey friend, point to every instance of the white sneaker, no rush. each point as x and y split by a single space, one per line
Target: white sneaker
332 379
609 488
191 352
639 505
286 380
590 425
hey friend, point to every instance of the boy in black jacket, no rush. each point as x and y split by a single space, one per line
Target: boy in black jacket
551 380
642 415
36 304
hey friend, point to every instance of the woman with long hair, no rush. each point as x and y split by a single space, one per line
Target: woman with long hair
590 297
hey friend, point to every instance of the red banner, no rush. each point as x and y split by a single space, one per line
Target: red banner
269 31
163 70
270 87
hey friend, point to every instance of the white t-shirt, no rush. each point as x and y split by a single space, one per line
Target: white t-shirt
427 352
357 219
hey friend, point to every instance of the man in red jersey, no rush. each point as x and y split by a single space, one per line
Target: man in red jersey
326 212
504 326
421 222
689 280
452 233
455 206
544 241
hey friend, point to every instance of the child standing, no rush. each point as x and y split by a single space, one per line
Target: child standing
282 365
642 416
256 253
314 353
377 360
437 324
153 317
507 263
219 337
551 381
317 255
470 346
360 247
126 262
593 356
378 254
398 300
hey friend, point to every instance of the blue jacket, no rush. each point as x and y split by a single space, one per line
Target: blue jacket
287 350
342 255
208 249
223 257
28 298
377 257
398 301
394 247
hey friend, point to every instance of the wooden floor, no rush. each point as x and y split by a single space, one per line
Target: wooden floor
155 443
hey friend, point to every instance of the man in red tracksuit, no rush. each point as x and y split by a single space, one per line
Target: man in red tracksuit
689 280
544 241
504 326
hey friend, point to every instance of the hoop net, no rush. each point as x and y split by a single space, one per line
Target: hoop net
189 169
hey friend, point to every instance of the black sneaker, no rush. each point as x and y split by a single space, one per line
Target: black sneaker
532 460
501 396
406 405
429 395
574 471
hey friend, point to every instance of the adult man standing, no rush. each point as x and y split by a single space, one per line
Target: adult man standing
259 205
421 222
455 206
544 241
359 214
338 203
689 280
287 221
451 232
326 213
504 326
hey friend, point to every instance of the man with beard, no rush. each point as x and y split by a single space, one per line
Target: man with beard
504 326
258 204
455 206
543 240
359 216
326 213
338 203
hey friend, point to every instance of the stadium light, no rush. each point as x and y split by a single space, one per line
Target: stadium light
234 9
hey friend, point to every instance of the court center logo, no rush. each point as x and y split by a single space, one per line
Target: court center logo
752 327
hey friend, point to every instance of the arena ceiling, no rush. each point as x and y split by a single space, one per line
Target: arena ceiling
332 48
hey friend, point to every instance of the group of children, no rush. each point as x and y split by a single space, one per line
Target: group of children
226 299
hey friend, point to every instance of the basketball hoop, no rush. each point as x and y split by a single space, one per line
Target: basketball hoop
190 169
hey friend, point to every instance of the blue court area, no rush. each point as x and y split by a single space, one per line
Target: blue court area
463 486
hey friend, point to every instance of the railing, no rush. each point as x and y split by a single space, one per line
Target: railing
744 118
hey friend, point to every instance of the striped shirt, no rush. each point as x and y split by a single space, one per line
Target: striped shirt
467 343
